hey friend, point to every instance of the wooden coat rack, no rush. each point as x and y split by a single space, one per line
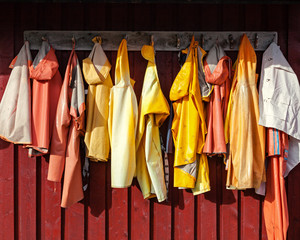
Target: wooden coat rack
163 41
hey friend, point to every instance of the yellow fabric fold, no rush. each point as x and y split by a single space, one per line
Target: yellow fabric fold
96 72
188 126
153 111
122 123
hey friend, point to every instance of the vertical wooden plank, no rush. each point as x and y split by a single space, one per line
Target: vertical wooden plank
26 167
250 215
162 212
95 15
207 206
140 208
167 67
232 19
7 177
208 203
26 194
183 227
250 202
48 193
73 19
279 14
294 175
117 199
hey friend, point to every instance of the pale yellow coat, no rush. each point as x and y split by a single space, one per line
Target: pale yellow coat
153 111
189 127
122 123
246 168
96 70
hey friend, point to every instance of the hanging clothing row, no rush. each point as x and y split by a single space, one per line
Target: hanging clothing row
216 110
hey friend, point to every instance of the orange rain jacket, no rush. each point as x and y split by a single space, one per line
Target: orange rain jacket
217 67
68 128
45 93
246 160
275 205
15 106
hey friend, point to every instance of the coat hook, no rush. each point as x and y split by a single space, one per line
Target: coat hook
73 41
256 41
43 38
178 42
152 40
230 40
97 39
201 41
126 37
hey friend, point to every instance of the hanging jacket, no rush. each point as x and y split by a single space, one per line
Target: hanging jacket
122 123
68 128
188 126
275 204
45 93
153 111
279 100
246 159
217 67
96 70
15 106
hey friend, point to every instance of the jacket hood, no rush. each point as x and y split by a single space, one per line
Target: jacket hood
45 64
96 67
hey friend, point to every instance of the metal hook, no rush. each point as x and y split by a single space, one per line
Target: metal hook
230 40
201 41
97 39
256 40
178 42
152 40
126 37
73 41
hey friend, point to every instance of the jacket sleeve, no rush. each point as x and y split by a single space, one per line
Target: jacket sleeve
59 136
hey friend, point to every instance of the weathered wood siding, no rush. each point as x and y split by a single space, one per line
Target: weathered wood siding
30 205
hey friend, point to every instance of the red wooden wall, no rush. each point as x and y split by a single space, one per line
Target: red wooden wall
30 205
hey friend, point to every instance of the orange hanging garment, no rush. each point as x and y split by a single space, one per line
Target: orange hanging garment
275 204
217 67
45 93
246 159
68 128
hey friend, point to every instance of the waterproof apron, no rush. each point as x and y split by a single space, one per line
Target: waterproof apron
96 70
153 111
122 123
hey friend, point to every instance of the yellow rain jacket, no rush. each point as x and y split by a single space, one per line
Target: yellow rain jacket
96 70
246 159
188 127
122 123
153 111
